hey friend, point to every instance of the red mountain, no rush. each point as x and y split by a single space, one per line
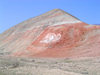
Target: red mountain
55 34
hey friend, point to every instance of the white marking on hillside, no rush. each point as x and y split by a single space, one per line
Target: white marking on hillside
66 22
51 37
59 23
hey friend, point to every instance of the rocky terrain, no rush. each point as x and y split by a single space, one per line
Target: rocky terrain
45 66
54 43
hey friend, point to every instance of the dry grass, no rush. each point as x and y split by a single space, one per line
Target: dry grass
36 66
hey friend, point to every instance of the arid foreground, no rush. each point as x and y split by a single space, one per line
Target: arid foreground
40 66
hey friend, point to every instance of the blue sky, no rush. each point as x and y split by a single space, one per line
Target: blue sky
13 12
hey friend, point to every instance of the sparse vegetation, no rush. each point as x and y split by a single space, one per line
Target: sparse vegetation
13 66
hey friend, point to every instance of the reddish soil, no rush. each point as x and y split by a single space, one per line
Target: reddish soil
67 40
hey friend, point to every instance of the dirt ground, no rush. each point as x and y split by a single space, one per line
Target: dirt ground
49 66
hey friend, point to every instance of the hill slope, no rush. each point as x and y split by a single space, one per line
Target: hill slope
53 34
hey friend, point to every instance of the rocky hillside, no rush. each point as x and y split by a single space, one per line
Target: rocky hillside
55 34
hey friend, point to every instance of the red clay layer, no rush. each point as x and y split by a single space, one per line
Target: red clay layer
67 40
